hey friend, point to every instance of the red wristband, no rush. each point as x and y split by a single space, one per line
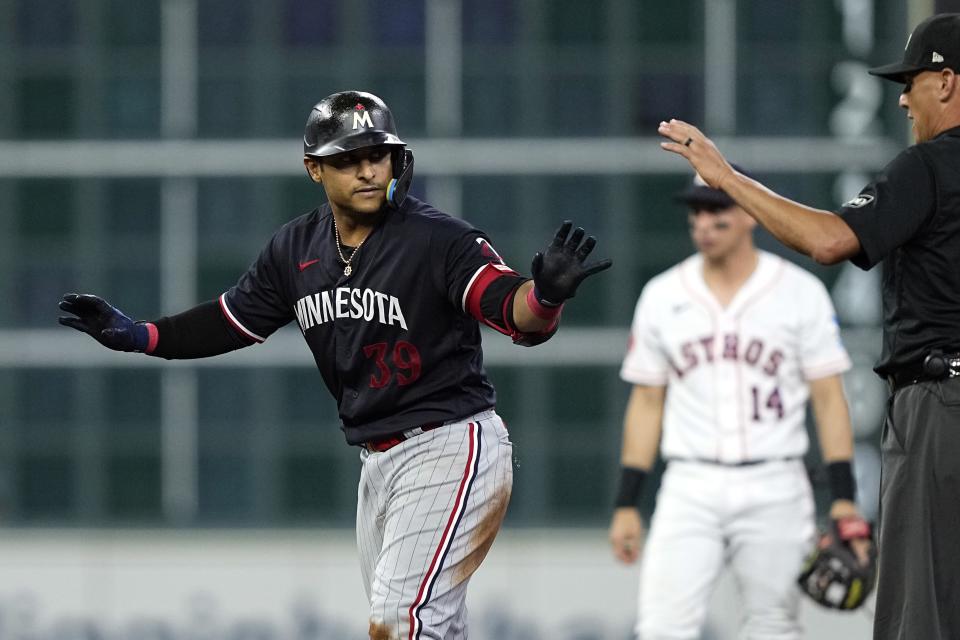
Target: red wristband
853 527
541 310
153 337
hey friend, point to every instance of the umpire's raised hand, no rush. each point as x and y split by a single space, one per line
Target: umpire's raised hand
108 325
686 140
559 269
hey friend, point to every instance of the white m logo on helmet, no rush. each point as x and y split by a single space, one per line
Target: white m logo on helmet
361 119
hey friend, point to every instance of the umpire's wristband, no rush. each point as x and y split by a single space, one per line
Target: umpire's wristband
631 487
842 484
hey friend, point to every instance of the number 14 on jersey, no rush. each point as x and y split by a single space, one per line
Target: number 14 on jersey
763 403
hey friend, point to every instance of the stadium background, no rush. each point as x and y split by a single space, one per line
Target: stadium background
148 148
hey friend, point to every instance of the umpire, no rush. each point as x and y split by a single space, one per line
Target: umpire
909 219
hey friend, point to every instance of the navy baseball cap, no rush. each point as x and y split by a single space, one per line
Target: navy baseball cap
700 196
933 45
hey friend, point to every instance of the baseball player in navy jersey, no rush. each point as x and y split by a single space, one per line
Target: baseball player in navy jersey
389 294
725 350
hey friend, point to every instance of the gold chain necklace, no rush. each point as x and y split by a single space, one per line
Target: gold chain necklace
347 269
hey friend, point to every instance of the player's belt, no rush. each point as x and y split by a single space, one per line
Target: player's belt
739 463
391 441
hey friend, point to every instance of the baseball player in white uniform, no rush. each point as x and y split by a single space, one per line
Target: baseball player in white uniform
725 350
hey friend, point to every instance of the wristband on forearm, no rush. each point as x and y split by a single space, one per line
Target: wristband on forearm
842 484
631 487
541 308
152 336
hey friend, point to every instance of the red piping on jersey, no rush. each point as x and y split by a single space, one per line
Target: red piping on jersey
472 297
743 424
481 280
711 311
153 337
768 287
446 540
469 287
236 323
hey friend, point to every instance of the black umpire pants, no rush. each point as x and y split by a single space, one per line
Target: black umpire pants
918 589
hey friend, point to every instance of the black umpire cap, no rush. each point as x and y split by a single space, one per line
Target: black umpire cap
933 45
698 195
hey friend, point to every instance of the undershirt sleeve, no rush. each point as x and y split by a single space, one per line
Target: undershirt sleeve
200 332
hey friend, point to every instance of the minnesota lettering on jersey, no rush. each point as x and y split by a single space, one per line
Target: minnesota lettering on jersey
697 352
345 302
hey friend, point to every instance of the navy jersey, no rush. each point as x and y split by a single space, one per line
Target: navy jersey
397 341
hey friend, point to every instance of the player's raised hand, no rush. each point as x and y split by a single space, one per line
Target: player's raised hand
106 324
560 268
686 140
626 534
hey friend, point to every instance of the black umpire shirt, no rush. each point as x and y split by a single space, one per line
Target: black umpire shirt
909 218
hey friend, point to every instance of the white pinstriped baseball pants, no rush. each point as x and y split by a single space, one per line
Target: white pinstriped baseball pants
428 510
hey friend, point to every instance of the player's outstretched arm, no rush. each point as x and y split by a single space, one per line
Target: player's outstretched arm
641 439
199 332
105 323
557 272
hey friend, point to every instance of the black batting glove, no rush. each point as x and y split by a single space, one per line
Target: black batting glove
108 325
559 270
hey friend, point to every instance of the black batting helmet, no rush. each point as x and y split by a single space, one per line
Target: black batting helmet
346 121
353 120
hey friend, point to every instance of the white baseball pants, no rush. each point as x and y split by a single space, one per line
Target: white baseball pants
758 519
